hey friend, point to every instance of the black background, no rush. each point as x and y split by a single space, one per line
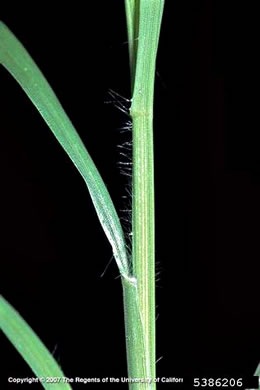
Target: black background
207 170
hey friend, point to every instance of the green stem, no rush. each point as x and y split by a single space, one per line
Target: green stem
143 236
143 256
134 334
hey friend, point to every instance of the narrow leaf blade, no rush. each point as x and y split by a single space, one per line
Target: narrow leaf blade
30 347
257 371
132 21
15 58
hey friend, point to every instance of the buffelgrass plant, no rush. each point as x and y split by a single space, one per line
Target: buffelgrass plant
136 269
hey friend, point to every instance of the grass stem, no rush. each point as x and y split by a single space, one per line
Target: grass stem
148 15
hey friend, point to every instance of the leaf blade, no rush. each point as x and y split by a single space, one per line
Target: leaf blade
15 58
31 348
132 19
